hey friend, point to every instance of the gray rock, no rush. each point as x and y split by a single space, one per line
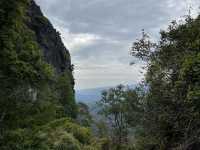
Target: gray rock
49 40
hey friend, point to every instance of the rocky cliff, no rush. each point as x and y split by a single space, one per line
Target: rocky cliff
49 40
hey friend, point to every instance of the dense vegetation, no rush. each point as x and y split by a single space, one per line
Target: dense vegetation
38 109
35 101
171 103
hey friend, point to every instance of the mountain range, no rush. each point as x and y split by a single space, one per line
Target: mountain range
92 95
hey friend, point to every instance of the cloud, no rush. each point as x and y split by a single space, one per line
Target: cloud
99 34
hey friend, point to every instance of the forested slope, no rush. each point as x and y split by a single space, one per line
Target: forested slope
36 83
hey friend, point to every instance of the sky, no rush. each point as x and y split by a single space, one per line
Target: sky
100 33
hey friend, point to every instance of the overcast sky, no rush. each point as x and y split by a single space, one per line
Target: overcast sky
99 34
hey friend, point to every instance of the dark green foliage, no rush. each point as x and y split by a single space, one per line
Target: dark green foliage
22 71
57 135
66 94
171 104
113 107
83 117
31 94
123 111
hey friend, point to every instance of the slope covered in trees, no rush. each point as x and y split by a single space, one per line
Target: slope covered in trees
36 83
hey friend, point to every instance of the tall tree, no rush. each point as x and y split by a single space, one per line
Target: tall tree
171 105
113 107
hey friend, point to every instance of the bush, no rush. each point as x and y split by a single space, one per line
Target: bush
62 134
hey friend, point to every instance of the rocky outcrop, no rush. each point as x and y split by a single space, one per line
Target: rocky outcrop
49 40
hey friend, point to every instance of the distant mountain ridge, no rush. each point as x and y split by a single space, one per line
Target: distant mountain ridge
92 95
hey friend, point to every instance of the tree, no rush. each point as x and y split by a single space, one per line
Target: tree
84 117
113 108
171 107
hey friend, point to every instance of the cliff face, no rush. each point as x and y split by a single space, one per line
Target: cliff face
49 40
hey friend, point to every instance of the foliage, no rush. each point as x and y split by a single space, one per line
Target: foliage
123 108
65 93
171 107
83 117
30 91
56 135
23 73
117 105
